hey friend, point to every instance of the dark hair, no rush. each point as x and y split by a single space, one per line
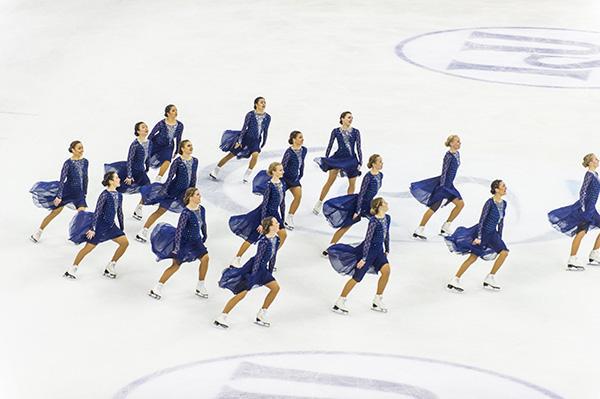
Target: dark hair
256 100
495 184
188 194
266 224
293 136
168 109
343 115
108 176
73 145
181 145
375 205
372 160
136 128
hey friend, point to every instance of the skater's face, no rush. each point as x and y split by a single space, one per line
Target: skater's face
455 144
378 164
115 181
261 105
274 226
196 198
278 172
501 190
384 206
172 112
143 130
347 120
78 150
188 149
299 139
594 162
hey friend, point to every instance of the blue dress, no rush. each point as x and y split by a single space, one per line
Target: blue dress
257 272
136 166
273 204
373 250
348 156
162 137
339 211
184 243
293 170
488 230
102 220
169 195
582 215
252 137
434 191
71 188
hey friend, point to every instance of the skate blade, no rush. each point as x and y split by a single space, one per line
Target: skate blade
201 295
140 239
593 263
572 268
340 311
153 295
262 323
33 240
109 275
287 227
452 288
418 237
212 177
69 276
136 217
378 309
490 287
220 326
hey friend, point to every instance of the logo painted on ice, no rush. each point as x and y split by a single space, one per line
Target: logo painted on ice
329 375
543 57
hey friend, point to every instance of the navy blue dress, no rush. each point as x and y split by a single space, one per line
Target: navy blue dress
339 211
434 191
102 220
273 204
136 167
162 138
257 272
169 195
348 156
373 250
252 137
184 243
488 230
71 188
293 170
582 215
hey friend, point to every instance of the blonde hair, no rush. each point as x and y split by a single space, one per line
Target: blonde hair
450 139
587 159
372 160
272 168
188 194
375 205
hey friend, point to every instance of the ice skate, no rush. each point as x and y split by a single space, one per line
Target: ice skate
261 318
221 321
490 283
317 208
573 266
35 237
418 234
454 285
445 230
339 307
142 236
378 305
110 271
137 214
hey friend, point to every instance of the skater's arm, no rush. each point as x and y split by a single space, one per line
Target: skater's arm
484 215
194 172
265 202
178 135
330 145
99 209
260 254
130 158
181 224
85 176
265 131
358 147
363 190
501 224
285 161
244 127
369 238
386 242
172 172
583 193
445 168
204 228
63 178
304 151
120 212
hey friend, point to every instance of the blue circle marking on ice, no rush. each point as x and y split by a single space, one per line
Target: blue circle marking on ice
329 375
527 56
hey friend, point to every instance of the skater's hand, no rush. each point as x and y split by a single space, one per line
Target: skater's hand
129 181
355 216
259 229
476 241
360 264
90 234
57 201
237 145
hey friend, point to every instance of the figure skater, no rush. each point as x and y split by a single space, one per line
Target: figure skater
162 136
439 191
100 226
248 142
575 220
345 211
484 240
256 272
370 256
346 160
70 190
183 244
169 196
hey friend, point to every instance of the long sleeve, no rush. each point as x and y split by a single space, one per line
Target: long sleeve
330 145
369 237
181 224
260 254
154 132
178 136
265 203
172 172
147 156
358 147
282 205
583 193
63 178
304 151
99 209
85 177
386 242
363 190
120 212
445 167
501 224
245 127
273 259
285 161
194 173
484 214
130 158
265 130
204 228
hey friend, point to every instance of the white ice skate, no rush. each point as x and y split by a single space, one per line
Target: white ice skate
445 230
289 222
138 213
378 305
110 271
237 261
201 290
490 283
71 273
594 258
215 173
454 285
247 175
221 321
573 265
418 234
339 307
261 318
142 236
35 237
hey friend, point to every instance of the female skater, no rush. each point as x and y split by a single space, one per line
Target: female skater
439 191
133 171
343 212
70 189
370 256
484 240
575 220
183 244
169 196
346 161
293 170
100 226
249 226
248 142
162 136
258 271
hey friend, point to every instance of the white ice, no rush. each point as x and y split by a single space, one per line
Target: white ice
90 70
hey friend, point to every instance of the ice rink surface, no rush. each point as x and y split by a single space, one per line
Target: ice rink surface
90 70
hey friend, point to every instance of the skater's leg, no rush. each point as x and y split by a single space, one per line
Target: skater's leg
383 279
428 214
297 193
53 213
253 160
83 253
465 265
273 287
154 217
577 242
243 248
123 244
458 207
330 180
169 271
234 301
225 159
351 185
339 233
282 236
163 168
348 287
203 268
499 261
